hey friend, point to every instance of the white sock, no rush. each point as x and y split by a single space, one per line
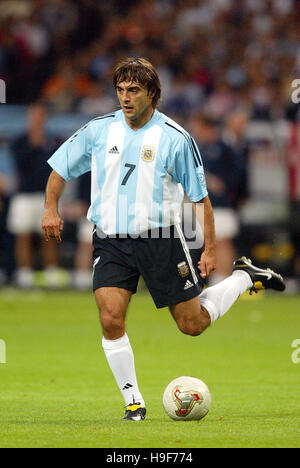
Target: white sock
120 358
218 299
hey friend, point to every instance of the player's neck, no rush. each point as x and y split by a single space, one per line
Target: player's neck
141 120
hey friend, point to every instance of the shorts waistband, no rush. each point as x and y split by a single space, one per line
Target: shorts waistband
157 233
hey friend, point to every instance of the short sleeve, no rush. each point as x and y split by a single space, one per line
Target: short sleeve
73 158
187 169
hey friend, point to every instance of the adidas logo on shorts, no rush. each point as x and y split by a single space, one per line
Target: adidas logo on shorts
188 285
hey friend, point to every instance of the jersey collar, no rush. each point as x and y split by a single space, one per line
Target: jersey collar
147 125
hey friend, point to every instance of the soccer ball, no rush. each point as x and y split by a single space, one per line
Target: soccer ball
186 399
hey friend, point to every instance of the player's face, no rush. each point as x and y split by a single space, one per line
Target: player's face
135 101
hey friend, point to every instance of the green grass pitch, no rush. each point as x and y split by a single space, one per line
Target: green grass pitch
56 389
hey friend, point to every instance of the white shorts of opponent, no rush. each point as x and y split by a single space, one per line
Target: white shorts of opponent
85 231
26 213
226 223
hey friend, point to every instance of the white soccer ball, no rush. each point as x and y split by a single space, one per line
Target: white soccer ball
186 399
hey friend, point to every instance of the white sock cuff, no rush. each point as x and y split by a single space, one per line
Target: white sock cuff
245 276
210 307
115 344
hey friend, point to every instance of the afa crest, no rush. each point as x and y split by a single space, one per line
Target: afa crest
148 153
183 269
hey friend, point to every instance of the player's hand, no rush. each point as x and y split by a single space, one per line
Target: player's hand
207 263
52 225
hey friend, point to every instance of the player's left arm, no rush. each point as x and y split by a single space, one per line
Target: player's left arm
187 169
204 214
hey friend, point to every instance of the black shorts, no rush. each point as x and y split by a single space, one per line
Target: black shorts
167 266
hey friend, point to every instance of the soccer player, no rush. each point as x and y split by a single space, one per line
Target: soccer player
141 163
30 152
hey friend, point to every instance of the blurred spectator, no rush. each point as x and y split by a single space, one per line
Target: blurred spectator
234 134
183 97
221 101
293 157
223 177
83 258
59 17
70 83
31 152
7 187
97 102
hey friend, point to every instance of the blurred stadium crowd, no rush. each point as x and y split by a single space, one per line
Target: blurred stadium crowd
214 54
233 60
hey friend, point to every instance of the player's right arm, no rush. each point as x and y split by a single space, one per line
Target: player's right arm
71 160
52 223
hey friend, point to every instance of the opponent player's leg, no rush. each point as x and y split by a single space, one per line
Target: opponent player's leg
112 303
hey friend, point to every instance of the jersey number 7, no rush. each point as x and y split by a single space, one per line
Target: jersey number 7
129 172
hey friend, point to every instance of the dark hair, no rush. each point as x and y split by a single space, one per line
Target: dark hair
141 71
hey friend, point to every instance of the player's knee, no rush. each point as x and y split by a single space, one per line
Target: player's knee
191 327
193 324
111 320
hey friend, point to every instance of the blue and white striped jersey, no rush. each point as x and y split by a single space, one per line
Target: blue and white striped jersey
138 176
